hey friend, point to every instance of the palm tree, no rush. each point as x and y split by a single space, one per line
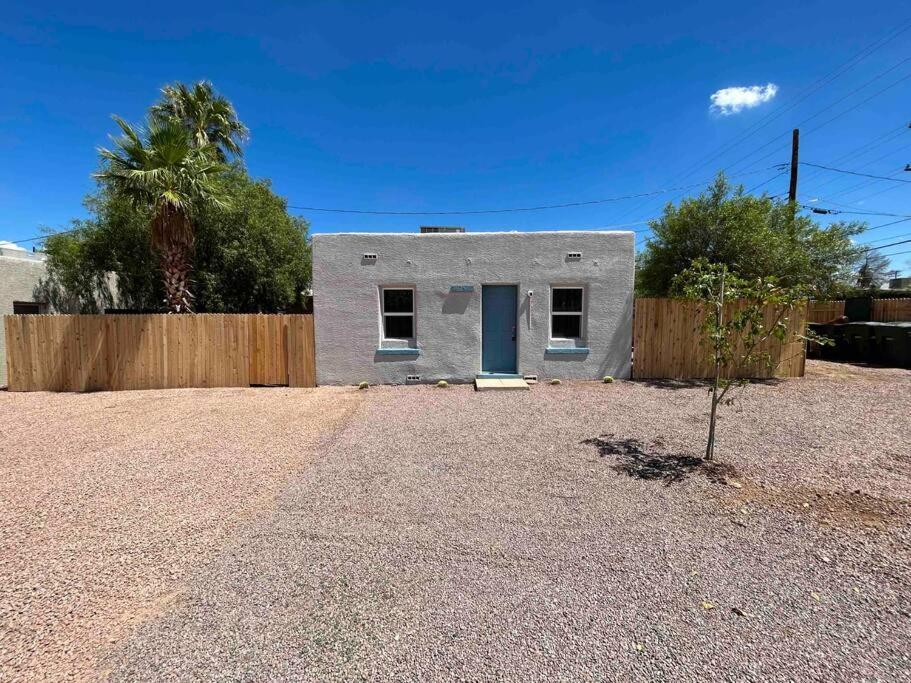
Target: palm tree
208 116
162 169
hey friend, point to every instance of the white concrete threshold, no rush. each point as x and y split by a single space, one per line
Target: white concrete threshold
499 384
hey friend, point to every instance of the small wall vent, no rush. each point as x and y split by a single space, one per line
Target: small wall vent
530 379
411 379
369 257
574 256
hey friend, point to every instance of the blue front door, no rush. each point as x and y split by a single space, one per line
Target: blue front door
498 328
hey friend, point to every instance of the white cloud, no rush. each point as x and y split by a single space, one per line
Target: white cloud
729 101
9 246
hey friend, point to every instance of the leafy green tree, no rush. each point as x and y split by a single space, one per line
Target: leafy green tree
752 236
250 255
160 171
209 117
114 240
736 325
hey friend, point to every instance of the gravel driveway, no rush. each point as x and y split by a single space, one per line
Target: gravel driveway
109 500
546 535
561 533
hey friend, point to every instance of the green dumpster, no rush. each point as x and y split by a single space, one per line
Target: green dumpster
893 343
861 342
840 347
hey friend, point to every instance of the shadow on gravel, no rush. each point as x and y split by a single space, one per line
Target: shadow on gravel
674 384
652 463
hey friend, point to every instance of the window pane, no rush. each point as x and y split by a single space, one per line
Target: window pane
399 326
398 300
569 300
24 307
566 326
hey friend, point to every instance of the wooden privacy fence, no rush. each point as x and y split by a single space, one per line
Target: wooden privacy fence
891 310
115 352
667 342
824 311
884 310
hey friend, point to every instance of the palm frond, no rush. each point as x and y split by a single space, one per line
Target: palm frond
160 168
209 118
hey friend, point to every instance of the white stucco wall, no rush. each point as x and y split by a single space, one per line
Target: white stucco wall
448 324
20 273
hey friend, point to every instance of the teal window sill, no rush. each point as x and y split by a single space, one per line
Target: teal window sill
577 350
398 352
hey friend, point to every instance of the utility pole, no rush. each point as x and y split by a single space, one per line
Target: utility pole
795 147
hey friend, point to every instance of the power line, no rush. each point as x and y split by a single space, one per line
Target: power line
886 225
42 237
891 188
766 182
833 179
863 102
873 212
875 143
886 246
890 237
825 211
828 107
474 212
461 212
864 175
876 45
803 95
837 116
865 183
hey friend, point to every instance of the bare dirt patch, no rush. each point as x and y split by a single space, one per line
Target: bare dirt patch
831 508
109 498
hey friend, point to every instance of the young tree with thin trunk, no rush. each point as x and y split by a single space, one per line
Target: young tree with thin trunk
737 324
163 170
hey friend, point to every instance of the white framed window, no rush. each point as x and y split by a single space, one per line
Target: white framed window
397 307
566 312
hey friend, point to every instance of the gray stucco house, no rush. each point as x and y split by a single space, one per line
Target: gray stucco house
396 308
21 273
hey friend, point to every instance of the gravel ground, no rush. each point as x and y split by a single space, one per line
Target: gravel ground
566 533
109 500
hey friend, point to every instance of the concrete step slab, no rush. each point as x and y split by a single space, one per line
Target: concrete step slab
498 384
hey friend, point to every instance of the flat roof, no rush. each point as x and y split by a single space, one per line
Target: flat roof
458 235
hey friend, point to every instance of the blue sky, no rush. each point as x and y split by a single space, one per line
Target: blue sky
463 106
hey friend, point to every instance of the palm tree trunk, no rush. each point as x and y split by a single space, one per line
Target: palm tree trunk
175 269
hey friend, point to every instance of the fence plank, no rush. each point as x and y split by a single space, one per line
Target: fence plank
884 310
301 351
891 310
667 342
115 352
824 311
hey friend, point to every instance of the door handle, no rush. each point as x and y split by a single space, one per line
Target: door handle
513 332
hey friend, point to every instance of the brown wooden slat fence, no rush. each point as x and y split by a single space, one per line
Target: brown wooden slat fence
884 310
667 342
891 310
115 352
824 311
